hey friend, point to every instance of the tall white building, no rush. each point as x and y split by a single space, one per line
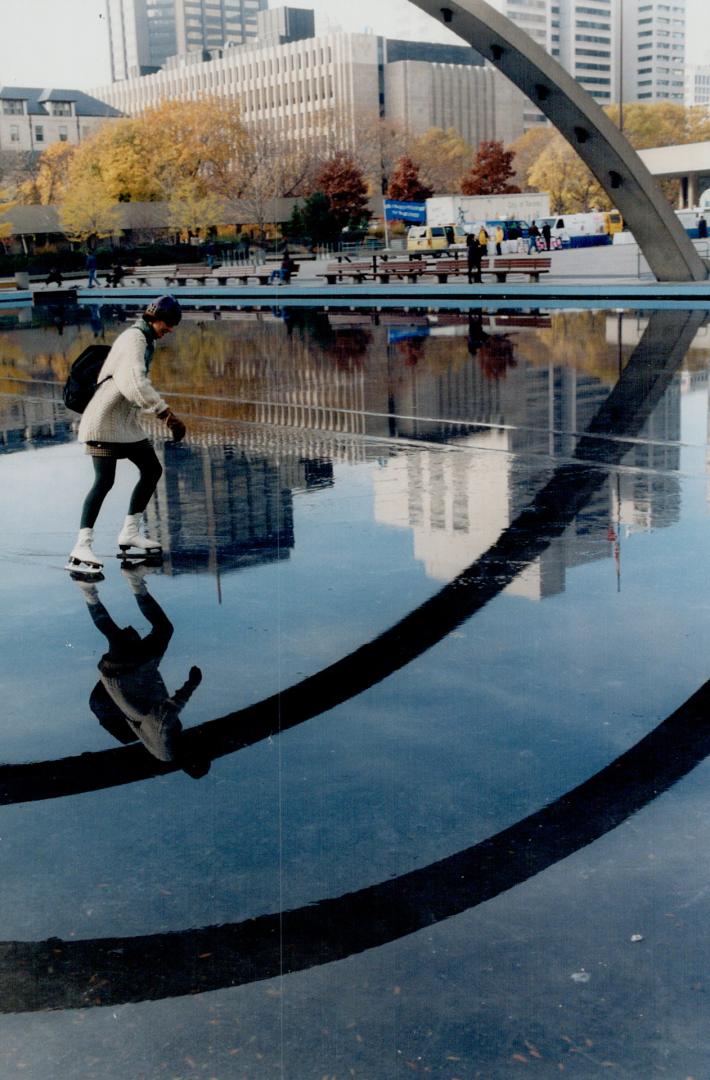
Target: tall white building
633 49
654 50
144 33
324 86
585 39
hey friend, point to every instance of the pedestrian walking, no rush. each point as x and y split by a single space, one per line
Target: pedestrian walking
702 228
547 235
110 430
499 238
91 266
533 234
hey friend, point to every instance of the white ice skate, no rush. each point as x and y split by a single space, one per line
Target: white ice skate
82 559
131 545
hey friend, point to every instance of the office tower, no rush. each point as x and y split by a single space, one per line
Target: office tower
581 34
654 50
585 39
144 33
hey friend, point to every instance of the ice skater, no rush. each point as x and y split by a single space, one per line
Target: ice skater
110 430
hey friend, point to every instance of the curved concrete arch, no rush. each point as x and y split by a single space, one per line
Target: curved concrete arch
586 127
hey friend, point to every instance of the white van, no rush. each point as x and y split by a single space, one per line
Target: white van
567 225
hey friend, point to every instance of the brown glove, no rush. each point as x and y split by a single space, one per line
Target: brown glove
175 425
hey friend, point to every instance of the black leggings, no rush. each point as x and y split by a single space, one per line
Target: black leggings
144 458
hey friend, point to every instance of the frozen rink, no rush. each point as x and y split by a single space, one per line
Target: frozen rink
440 804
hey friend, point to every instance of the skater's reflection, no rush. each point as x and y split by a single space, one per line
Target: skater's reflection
130 700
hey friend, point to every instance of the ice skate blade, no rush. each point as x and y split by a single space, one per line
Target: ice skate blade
140 558
125 552
84 575
78 567
130 562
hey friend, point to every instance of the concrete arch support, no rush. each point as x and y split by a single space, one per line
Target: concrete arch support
586 127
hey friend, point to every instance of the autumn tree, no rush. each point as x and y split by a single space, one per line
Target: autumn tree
271 170
6 205
120 157
86 210
380 143
527 150
442 157
561 172
406 184
661 123
343 184
491 170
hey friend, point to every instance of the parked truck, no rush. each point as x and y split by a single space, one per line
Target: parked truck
469 210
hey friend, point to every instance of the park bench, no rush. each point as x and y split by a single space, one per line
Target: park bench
501 267
374 270
198 272
532 265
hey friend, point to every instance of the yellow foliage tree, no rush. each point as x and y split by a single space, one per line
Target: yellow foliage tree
560 171
119 158
527 150
198 144
86 210
50 179
6 205
662 123
442 156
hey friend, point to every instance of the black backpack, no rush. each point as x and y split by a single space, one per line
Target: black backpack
82 382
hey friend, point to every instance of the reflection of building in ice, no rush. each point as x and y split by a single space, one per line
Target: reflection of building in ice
458 500
219 508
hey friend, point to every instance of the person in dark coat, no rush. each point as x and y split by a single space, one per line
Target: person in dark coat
54 277
474 255
702 228
91 269
547 235
533 233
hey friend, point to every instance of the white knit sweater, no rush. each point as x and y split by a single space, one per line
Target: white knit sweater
112 414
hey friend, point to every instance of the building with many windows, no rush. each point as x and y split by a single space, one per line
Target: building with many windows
654 50
143 34
31 119
307 87
616 49
697 84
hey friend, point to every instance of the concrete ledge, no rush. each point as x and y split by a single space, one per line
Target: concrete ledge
545 294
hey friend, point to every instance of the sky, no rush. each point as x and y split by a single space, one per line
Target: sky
64 42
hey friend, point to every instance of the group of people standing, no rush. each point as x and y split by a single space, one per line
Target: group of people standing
478 240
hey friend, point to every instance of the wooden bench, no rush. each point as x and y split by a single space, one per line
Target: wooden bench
501 266
532 265
244 274
198 272
374 270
